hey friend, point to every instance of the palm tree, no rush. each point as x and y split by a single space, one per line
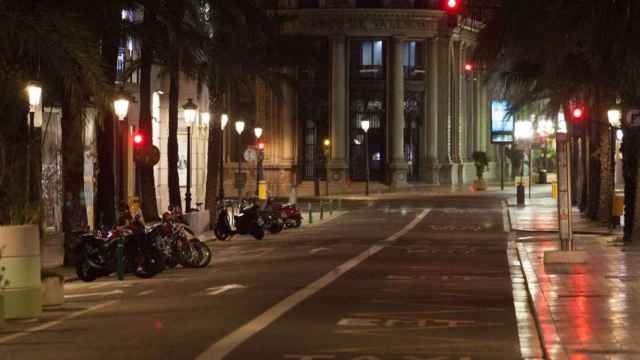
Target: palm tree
564 51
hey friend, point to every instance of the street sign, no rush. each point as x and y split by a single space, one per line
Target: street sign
250 155
147 155
633 118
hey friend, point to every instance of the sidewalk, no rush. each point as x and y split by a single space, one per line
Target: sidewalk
583 311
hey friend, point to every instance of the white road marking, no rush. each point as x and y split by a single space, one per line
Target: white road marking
317 250
220 349
222 289
105 293
53 323
146 292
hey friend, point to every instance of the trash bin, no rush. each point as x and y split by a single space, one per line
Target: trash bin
542 177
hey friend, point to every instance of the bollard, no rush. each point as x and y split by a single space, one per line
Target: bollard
339 204
331 207
120 258
310 215
321 211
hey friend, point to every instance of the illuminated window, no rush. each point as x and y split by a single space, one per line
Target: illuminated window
371 53
410 54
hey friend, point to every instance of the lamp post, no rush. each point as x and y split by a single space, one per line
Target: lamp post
190 115
239 130
34 92
258 133
224 119
121 109
614 116
327 154
523 133
364 124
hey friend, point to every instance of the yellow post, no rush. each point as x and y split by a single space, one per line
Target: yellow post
262 190
554 190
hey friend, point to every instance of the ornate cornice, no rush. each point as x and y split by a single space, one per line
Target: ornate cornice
410 23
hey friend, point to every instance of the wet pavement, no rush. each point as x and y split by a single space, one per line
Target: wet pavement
584 311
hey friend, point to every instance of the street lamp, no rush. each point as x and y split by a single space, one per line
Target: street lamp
327 153
239 129
190 115
34 93
121 109
523 133
224 119
258 133
364 124
614 116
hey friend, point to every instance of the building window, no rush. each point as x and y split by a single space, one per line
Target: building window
371 53
410 54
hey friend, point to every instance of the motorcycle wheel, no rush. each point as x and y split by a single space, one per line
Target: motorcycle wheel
258 233
297 223
276 227
148 266
171 262
189 255
205 253
85 271
221 234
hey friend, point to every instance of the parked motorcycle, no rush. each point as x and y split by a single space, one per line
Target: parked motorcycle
178 245
98 254
291 216
270 214
247 221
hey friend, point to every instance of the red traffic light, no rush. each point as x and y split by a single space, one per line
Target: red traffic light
577 113
451 5
138 139
261 146
468 67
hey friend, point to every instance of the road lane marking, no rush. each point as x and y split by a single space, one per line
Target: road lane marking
146 292
105 293
317 250
227 344
53 323
217 290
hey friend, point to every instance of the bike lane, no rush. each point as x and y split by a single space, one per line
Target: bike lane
442 290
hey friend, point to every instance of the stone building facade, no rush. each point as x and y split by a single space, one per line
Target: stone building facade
398 64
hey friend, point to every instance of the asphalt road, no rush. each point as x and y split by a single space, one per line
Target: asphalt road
396 279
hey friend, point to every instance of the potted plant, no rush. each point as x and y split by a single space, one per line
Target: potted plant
481 162
52 289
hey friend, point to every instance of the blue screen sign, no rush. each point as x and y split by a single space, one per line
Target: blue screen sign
501 123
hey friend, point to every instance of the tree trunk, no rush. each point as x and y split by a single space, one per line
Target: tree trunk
172 143
630 172
606 196
214 158
72 126
147 186
105 209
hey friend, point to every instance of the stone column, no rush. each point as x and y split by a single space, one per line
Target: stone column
338 163
430 121
479 124
288 123
448 171
398 164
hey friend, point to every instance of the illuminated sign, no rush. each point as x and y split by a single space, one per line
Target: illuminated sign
501 123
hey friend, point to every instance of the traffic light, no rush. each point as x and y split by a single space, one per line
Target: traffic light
452 8
138 139
578 113
261 146
468 67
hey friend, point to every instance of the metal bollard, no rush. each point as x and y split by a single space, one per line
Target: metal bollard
120 258
310 215
321 211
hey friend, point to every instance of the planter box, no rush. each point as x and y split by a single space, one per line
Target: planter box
21 262
52 291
